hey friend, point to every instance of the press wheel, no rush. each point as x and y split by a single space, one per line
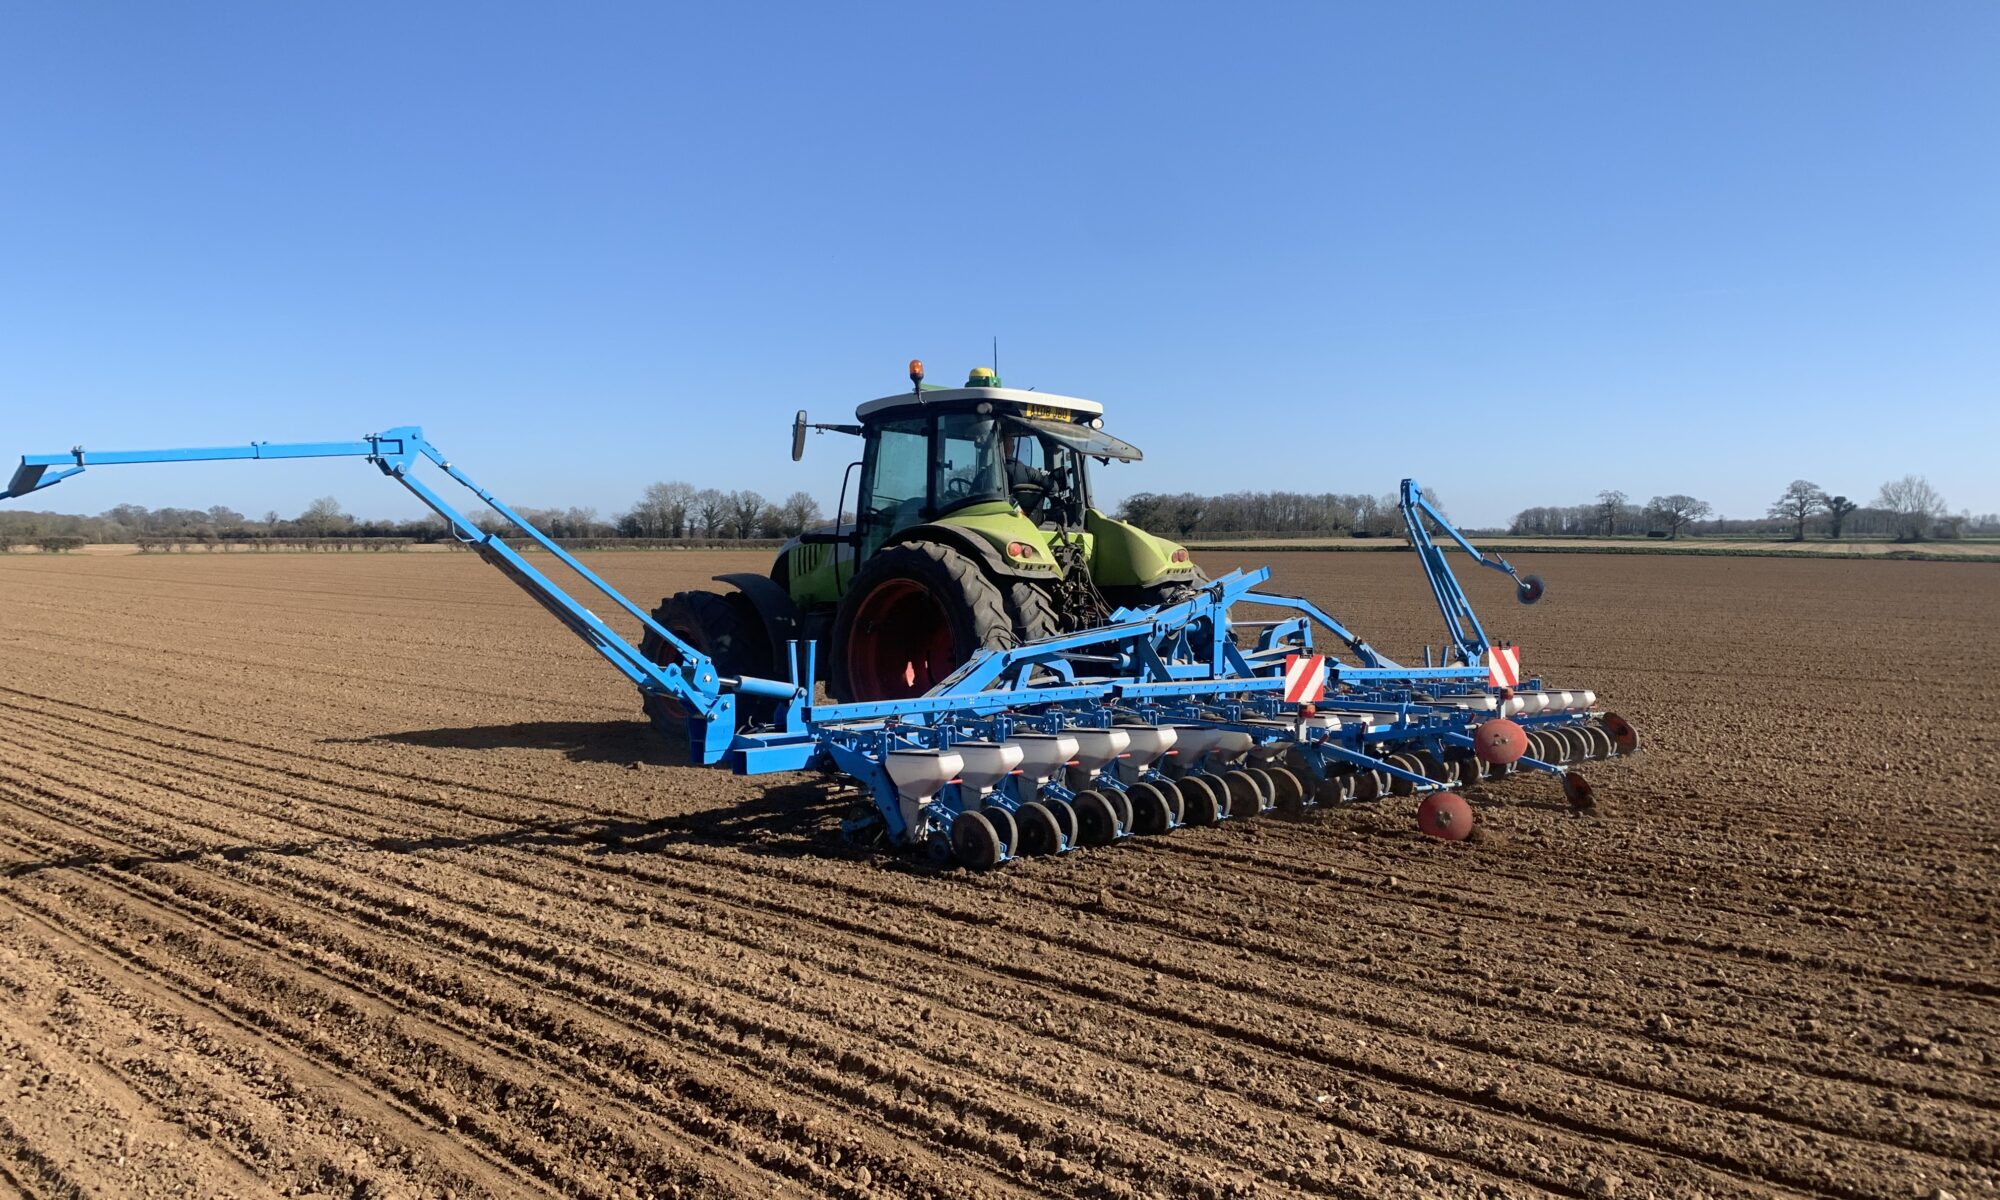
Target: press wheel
1150 813
1096 821
1040 832
974 841
1204 799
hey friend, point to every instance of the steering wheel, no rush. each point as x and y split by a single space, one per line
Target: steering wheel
957 486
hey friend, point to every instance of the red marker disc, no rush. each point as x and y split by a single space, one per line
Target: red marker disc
1445 816
1499 741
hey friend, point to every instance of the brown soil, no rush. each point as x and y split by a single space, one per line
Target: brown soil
357 876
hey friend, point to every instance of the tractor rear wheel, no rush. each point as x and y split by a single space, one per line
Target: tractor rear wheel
912 614
728 630
1030 610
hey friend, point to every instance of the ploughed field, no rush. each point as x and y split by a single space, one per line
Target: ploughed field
361 877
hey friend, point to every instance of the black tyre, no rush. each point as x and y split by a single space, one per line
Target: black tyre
1290 791
1335 789
1369 785
974 841
1029 610
1003 824
1433 768
1065 819
1398 785
728 630
1246 799
1176 801
1121 804
912 614
1266 786
1096 821
1150 813
1040 834
1600 742
1205 799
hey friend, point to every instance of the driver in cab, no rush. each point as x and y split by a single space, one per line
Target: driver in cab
1027 485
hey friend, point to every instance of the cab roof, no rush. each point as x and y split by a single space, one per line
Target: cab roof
1077 410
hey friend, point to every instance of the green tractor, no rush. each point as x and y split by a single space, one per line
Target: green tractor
975 530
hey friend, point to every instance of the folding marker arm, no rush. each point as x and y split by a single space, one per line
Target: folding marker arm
693 681
1467 636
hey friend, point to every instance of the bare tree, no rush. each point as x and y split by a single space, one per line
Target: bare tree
746 511
1676 512
710 509
1801 501
798 513
1837 510
1913 504
324 516
1610 505
663 510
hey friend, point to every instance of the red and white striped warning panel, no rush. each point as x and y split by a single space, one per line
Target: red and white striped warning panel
1503 666
1305 678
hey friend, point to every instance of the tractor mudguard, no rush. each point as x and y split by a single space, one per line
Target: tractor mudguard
981 551
774 606
1125 556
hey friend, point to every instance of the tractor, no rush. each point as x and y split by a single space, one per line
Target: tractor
974 530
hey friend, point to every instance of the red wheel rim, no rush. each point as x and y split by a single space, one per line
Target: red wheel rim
900 644
1445 816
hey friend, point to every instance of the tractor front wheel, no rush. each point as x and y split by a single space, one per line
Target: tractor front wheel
911 615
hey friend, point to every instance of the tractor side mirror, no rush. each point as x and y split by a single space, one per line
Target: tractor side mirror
799 436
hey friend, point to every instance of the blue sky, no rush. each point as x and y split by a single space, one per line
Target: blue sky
1523 252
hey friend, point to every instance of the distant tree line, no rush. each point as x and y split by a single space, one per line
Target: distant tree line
1907 509
1186 514
670 510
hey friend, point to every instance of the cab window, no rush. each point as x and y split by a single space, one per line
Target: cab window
969 465
896 470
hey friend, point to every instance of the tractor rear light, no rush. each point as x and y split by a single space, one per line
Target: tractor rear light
1180 556
1020 550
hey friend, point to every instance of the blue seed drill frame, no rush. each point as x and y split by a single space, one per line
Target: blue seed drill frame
1161 717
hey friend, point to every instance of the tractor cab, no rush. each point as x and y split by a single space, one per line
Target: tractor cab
979 451
973 527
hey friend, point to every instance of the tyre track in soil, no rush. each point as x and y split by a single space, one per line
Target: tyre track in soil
1435 1149
709 865
518 1153
544 1149
1278 859
1277 951
256 1145
281 653
1273 864
1656 867
555 983
1740 1098
1635 929
1279 948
